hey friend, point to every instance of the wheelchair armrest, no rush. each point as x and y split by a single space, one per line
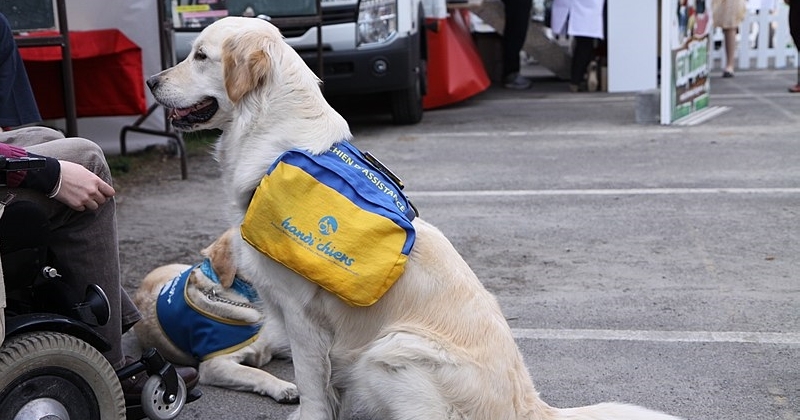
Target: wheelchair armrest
24 163
21 163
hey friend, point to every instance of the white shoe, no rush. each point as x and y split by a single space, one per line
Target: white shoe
591 82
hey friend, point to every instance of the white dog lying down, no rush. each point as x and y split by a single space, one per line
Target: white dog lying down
436 345
221 328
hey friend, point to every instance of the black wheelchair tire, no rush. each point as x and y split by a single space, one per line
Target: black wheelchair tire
58 368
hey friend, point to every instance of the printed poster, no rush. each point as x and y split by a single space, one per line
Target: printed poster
685 81
194 15
197 14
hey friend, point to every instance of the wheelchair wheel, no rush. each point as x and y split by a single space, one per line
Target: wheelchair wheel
57 376
153 399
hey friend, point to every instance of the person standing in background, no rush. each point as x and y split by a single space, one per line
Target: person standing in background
518 17
583 21
727 15
794 30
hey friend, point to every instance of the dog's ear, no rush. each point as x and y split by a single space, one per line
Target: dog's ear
246 64
220 253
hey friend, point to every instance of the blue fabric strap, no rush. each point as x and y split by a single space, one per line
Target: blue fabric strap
239 286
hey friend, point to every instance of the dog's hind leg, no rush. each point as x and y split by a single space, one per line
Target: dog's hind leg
399 378
227 372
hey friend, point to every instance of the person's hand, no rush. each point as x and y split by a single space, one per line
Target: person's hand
81 189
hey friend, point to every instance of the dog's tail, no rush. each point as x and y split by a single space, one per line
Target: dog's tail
610 411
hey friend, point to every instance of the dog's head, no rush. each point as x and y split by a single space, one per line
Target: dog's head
220 253
216 289
229 60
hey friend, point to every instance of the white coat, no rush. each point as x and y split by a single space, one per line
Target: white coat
577 18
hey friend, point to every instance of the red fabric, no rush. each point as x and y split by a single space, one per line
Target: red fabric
455 68
107 70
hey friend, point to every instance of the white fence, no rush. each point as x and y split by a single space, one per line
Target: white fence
763 41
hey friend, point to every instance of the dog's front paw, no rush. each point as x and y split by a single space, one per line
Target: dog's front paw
286 395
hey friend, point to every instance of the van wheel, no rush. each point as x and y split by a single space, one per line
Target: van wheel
407 103
57 376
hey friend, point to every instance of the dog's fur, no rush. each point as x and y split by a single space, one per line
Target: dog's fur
238 370
436 346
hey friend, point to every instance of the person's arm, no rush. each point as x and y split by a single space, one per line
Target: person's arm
67 182
17 101
44 180
80 189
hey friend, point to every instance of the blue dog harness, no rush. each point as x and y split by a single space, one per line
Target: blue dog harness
198 332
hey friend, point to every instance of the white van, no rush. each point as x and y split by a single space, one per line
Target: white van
369 47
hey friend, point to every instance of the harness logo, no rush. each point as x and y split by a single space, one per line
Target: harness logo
292 230
169 289
328 225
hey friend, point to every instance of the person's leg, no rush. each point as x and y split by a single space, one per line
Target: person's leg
582 55
730 49
30 136
85 243
794 30
794 23
517 19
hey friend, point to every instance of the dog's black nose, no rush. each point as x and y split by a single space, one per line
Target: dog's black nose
152 82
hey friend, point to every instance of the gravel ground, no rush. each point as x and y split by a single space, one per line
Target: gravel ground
161 218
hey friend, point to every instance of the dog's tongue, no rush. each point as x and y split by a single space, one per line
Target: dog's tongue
182 112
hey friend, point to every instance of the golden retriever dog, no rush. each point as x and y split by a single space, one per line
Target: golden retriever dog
219 327
436 345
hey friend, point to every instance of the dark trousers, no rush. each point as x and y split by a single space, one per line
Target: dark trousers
794 28
794 22
518 17
582 55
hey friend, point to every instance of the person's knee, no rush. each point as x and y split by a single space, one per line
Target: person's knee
44 133
30 136
89 154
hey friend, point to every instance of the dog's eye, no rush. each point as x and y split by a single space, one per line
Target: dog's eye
199 55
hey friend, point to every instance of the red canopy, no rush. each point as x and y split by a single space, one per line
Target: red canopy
107 69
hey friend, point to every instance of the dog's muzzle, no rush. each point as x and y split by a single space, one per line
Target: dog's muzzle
185 118
201 112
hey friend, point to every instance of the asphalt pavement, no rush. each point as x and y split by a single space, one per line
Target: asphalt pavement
649 264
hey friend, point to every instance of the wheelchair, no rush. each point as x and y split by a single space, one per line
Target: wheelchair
51 362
